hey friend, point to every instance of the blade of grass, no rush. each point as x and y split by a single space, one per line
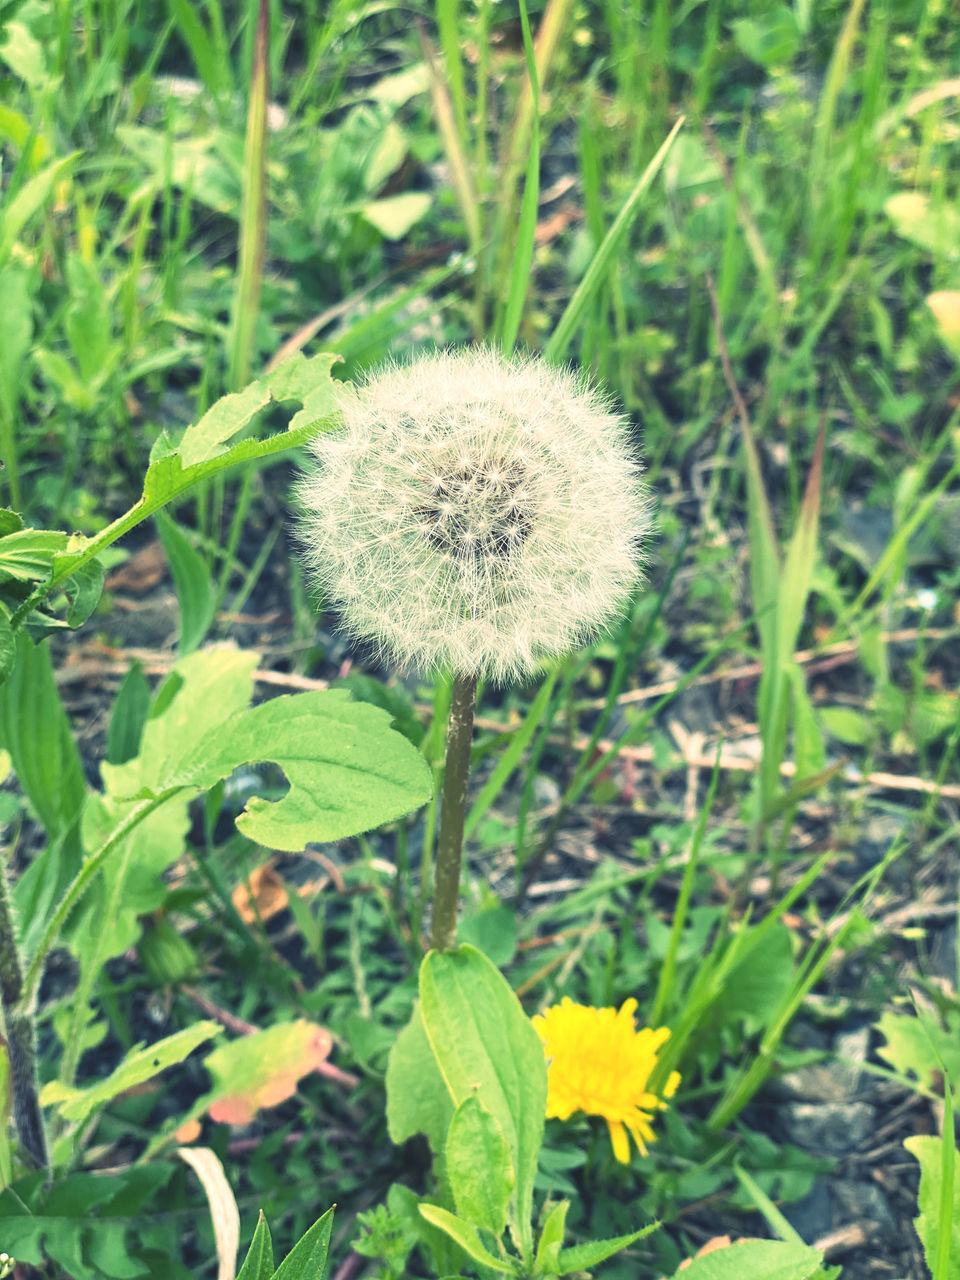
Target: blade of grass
556 14
586 290
519 277
669 966
253 212
453 132
511 756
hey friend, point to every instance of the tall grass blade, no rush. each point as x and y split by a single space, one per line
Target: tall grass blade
526 231
454 136
586 290
253 214
556 14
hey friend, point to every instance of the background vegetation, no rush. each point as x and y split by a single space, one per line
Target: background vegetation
189 193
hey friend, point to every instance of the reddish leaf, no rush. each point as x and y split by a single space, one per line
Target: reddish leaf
262 1070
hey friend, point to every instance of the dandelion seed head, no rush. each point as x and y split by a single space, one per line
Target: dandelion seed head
474 511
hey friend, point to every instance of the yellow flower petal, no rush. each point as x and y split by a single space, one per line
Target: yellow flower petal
600 1064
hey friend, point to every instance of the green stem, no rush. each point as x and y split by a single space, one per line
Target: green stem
453 812
20 1040
77 888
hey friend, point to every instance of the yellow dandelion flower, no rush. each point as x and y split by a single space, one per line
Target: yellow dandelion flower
600 1064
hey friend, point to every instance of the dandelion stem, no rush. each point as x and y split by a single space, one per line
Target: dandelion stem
453 812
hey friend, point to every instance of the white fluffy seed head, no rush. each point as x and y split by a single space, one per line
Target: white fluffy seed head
475 511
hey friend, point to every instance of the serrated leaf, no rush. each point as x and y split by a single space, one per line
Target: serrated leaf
551 1240
467 1237
584 1257
308 1258
297 378
479 1166
139 1065
938 1201
258 1264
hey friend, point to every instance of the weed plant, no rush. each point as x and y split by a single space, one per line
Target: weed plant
738 219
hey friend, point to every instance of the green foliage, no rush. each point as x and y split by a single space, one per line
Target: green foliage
139 1065
760 1259
158 235
938 1223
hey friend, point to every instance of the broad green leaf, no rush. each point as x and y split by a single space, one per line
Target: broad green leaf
191 577
584 1257
768 41
132 880
551 1241
466 1237
481 1174
348 771
417 1098
89 1224
486 1045
758 1259
754 987
24 55
308 1259
140 1064
258 1264
201 693
934 1214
